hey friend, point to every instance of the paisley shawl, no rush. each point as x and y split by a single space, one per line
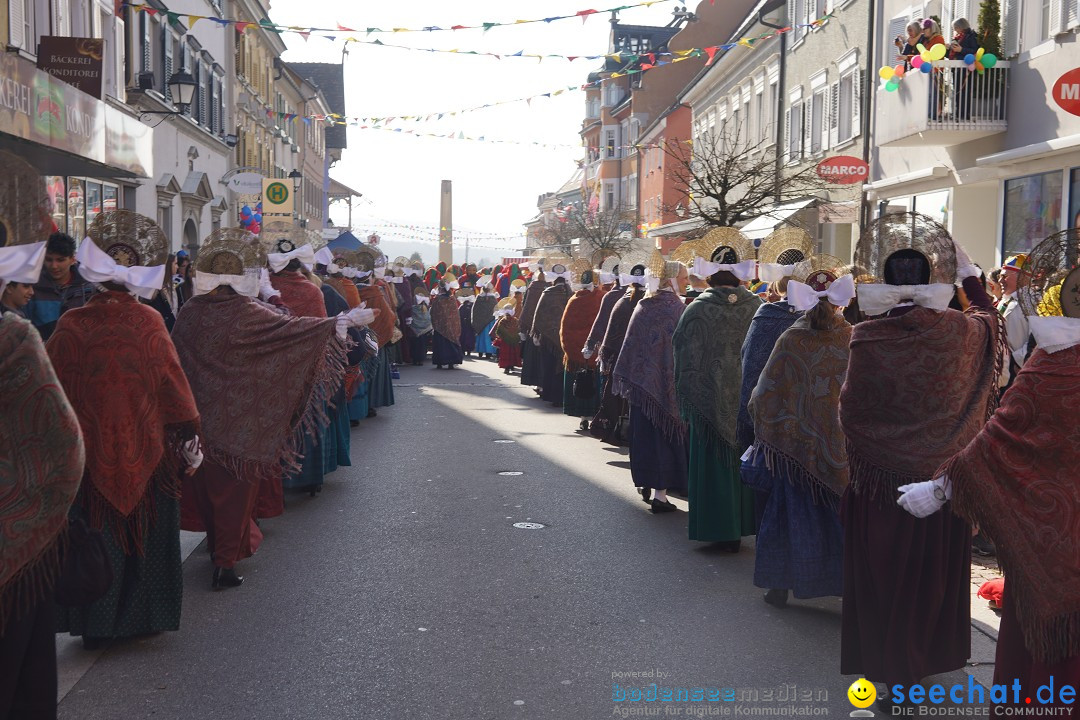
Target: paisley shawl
446 319
262 380
1018 481
617 325
122 376
300 295
41 465
795 409
919 388
549 312
577 322
769 323
645 372
708 360
532 299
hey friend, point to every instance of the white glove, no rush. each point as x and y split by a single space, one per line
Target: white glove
360 316
964 267
923 499
408 321
191 453
266 289
586 353
523 337
536 341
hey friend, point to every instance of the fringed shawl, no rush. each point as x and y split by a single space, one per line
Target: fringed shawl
508 330
421 320
645 372
1018 481
483 311
383 326
300 295
769 323
577 321
549 312
616 329
532 299
41 464
347 289
708 361
446 319
600 324
919 388
795 409
262 380
122 376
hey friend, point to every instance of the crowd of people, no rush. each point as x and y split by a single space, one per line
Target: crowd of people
859 420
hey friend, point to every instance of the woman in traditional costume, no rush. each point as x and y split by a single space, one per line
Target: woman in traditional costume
231 348
483 318
645 377
137 412
41 463
545 334
505 334
798 460
577 322
920 385
446 322
530 353
606 421
1016 480
418 329
708 372
466 296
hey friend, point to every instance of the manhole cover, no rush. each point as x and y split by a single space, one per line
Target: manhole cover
505 442
528 526
511 473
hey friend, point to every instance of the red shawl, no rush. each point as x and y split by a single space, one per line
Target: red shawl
577 322
446 319
919 387
383 327
41 464
300 295
120 370
1018 481
262 380
347 289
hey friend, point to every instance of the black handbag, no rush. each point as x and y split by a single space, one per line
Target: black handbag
85 571
584 385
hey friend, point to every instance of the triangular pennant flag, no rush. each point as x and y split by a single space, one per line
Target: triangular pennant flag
711 52
343 28
488 25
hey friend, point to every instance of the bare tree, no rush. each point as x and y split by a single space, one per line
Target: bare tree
725 179
600 233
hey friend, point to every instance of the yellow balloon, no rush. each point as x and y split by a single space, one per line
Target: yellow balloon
979 53
938 52
886 72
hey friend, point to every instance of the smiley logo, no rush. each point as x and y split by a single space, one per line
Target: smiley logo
862 693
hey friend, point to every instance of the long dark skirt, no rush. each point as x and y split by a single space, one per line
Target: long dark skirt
607 416
581 407
530 363
28 664
382 387
1013 660
551 377
445 352
310 474
907 591
655 461
418 347
223 503
146 593
721 507
337 444
468 335
800 543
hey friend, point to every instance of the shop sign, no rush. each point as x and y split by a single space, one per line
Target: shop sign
1067 92
838 213
246 183
843 170
75 61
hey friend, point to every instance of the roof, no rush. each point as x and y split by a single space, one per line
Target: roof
574 183
330 79
341 190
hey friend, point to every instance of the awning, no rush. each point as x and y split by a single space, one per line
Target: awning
760 227
679 227
339 190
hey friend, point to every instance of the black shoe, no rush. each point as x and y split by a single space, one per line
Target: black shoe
646 495
731 546
776 598
92 644
226 578
584 425
981 545
371 412
506 371
438 367
662 506
354 423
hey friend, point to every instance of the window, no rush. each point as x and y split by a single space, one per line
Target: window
795 132
762 121
609 195
1074 199
22 30
817 122
1045 31
611 151
1032 210
631 192
797 11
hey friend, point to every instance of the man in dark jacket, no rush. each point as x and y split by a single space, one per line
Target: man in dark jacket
61 287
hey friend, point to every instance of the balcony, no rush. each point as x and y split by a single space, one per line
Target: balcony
950 106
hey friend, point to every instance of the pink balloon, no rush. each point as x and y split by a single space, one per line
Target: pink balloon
916 62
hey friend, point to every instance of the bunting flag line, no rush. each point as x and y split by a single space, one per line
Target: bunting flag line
485 26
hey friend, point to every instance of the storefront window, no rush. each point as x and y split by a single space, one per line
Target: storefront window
1032 211
76 214
109 195
54 186
1074 199
93 201
934 205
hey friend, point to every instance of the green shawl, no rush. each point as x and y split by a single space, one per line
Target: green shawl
708 364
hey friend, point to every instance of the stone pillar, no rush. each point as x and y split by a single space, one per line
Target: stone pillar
446 224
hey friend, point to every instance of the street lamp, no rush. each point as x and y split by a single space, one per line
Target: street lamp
296 178
182 89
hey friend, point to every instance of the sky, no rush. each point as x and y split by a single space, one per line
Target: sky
495 186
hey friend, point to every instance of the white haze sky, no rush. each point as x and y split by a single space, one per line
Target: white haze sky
495 185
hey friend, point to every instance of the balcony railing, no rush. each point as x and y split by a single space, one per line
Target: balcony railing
949 106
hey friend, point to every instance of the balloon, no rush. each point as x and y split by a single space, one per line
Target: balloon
245 211
891 85
257 217
927 57
921 48
916 62
938 52
254 228
989 60
899 71
926 68
886 73
979 53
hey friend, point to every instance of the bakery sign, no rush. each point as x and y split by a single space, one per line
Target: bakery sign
76 61
843 170
1067 92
